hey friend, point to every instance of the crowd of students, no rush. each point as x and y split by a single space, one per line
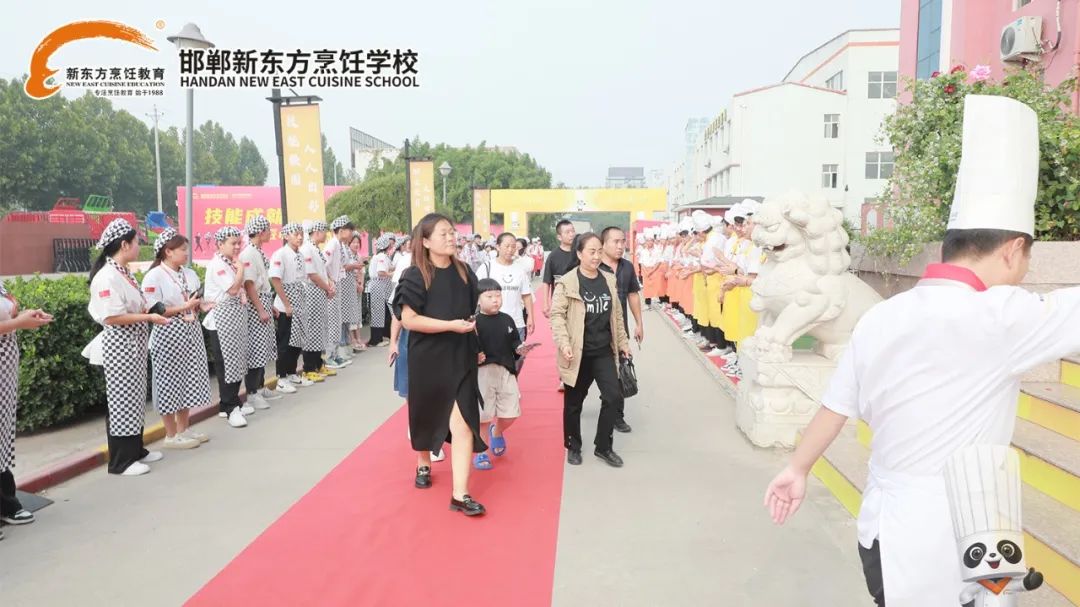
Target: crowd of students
700 270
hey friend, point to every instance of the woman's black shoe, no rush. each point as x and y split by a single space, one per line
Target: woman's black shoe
610 457
467 506
573 457
423 477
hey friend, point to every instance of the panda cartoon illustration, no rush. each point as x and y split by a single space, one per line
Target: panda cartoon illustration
984 495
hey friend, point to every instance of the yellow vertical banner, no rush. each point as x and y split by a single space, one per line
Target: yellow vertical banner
421 189
301 144
482 213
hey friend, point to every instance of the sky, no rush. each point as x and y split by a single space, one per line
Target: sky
581 86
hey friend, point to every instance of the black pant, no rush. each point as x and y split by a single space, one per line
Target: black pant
124 451
312 361
377 334
287 355
9 504
601 368
871 566
255 380
229 392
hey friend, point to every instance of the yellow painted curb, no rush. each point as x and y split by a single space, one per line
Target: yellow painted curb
863 433
837 484
1070 374
1061 574
1051 480
1048 415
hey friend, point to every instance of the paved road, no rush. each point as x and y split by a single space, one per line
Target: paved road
681 524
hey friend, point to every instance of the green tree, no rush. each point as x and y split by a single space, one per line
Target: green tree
332 170
253 169
376 205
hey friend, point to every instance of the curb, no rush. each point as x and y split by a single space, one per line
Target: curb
725 384
81 463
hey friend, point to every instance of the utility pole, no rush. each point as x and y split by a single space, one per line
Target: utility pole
157 154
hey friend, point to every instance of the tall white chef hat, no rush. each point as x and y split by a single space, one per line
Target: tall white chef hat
750 206
686 224
737 210
983 483
998 177
702 220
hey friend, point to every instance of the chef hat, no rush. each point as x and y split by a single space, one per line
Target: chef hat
686 224
117 228
317 226
383 242
718 221
226 233
340 222
735 212
292 228
702 220
983 484
998 177
257 225
165 236
750 206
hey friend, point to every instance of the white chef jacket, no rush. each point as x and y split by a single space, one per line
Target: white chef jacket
668 254
335 260
254 269
283 267
933 370
219 279
379 263
112 294
313 260
403 263
7 308
713 244
161 284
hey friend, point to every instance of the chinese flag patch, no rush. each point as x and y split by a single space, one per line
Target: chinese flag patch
104 293
277 263
221 272
308 259
247 264
151 289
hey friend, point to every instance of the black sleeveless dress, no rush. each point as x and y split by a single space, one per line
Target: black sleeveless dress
442 366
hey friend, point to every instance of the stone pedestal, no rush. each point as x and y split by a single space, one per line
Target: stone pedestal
777 399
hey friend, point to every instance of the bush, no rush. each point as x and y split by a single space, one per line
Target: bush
926 135
56 383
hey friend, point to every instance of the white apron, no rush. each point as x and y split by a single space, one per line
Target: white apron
919 564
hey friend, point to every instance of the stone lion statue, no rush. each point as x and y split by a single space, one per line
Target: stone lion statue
804 286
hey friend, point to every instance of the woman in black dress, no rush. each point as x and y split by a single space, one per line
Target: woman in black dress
436 301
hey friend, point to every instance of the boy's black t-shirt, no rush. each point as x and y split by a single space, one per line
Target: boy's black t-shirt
559 262
499 340
597 298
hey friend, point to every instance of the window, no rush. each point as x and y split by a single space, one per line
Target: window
836 82
882 85
879 165
832 126
829 175
928 43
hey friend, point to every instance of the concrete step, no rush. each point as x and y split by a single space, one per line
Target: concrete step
1053 529
1070 371
1054 406
1049 462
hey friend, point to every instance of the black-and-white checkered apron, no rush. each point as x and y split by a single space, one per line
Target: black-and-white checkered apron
334 317
350 299
124 353
9 396
231 322
379 291
315 326
178 356
262 342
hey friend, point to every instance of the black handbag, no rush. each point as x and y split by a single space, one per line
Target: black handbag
627 377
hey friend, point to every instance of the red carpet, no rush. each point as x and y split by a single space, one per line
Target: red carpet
364 536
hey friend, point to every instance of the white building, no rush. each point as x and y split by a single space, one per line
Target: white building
816 131
364 149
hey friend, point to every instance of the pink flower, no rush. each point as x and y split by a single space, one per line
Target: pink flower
958 69
935 74
980 73
950 89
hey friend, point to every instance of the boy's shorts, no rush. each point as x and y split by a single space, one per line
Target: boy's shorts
500 391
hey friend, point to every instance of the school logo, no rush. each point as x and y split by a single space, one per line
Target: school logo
41 83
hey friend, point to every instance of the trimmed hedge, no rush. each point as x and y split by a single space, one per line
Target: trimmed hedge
56 384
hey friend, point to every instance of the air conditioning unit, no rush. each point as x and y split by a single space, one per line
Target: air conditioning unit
1021 39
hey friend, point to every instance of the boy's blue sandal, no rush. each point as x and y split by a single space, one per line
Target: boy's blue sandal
481 461
498 443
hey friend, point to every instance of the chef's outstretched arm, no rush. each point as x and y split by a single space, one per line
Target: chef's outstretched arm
786 491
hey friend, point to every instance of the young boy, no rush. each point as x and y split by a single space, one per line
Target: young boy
500 348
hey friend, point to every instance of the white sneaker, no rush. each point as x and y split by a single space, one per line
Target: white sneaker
153 456
193 435
247 409
268 394
236 419
257 401
438 457
714 353
222 414
284 387
299 381
180 441
333 364
136 469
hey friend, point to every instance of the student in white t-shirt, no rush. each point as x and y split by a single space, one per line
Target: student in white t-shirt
516 283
